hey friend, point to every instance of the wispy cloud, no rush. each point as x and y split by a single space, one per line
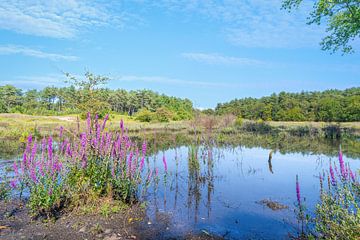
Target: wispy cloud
253 23
26 51
61 19
217 59
30 82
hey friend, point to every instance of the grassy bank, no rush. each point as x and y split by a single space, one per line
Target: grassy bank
19 126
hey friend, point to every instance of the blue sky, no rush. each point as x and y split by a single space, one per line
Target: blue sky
208 51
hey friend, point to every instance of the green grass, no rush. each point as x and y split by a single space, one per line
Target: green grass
19 126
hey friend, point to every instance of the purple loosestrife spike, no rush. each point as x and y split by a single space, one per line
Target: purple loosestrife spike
352 175
33 152
104 123
298 197
30 139
13 183
156 172
165 164
332 175
50 149
144 146
142 163
129 163
342 165
33 174
122 126
24 159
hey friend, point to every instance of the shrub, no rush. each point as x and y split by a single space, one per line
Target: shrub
163 114
337 213
239 121
90 166
144 115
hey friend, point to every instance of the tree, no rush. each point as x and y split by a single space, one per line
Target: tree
10 97
90 97
343 21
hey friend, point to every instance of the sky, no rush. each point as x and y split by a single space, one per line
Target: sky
208 51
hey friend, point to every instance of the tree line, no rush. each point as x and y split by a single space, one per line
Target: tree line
70 100
328 106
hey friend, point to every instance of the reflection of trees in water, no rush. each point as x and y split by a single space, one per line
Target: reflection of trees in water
269 161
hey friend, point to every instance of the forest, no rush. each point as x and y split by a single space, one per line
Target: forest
327 106
72 100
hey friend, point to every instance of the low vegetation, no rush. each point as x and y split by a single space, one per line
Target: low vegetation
81 169
337 213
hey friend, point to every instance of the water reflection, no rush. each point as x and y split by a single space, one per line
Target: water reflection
269 161
218 190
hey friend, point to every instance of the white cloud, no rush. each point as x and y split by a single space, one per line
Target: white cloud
30 82
253 23
26 51
60 19
217 59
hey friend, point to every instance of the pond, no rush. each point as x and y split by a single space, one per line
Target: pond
221 190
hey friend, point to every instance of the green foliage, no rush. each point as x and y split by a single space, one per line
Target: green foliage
145 115
4 190
343 21
328 106
239 121
163 114
87 95
337 213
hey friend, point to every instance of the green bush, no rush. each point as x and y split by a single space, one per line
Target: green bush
144 115
163 115
239 121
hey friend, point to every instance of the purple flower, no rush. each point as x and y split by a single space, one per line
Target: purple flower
352 175
298 197
50 148
332 175
142 163
29 139
33 174
144 146
13 183
342 165
33 152
104 123
165 164
122 125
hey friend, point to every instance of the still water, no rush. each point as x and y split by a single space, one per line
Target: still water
219 190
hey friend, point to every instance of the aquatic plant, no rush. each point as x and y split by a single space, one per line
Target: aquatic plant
85 167
337 214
